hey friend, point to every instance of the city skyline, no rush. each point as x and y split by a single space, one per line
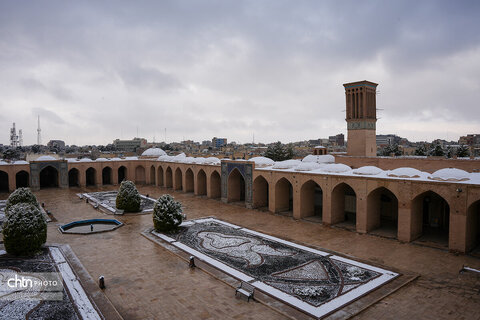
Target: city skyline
95 73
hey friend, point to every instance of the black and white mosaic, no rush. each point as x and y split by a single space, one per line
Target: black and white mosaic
107 199
312 280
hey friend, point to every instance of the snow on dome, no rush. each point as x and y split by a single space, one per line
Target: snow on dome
3 163
261 162
199 160
368 170
71 159
287 164
20 162
405 172
85 160
187 160
45 158
115 159
164 158
154 152
309 166
179 157
131 158
327 158
101 159
450 174
336 168
319 147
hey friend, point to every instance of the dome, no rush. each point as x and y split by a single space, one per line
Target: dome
45 158
336 168
287 164
308 166
164 158
367 170
261 162
85 160
450 174
101 159
153 152
405 172
212 160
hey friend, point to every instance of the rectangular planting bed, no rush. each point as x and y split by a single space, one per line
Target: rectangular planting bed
105 201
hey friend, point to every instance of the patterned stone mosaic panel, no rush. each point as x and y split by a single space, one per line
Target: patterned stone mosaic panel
312 280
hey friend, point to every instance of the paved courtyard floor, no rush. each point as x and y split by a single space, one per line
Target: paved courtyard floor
146 281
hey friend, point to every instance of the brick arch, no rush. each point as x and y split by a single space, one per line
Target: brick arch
3 181
74 177
215 184
22 179
473 226
107 175
201 183
152 175
91 176
122 174
49 177
311 199
160 174
260 192
283 195
382 211
189 180
140 175
178 179
430 217
235 186
343 207
169 177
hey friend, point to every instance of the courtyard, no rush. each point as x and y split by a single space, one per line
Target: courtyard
146 281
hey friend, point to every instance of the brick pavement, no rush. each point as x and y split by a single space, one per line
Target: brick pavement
146 281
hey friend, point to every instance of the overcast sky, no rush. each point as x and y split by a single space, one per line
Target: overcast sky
274 69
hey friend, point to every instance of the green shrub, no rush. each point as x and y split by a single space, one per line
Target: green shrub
167 214
21 195
128 198
24 229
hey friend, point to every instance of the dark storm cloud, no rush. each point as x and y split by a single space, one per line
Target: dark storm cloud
206 68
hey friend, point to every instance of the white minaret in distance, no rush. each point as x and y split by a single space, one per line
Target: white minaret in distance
20 138
39 137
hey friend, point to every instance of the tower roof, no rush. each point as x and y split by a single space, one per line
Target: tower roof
360 83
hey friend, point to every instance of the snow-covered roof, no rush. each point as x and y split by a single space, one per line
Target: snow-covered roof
101 159
450 174
309 166
85 160
405 172
154 152
336 168
319 147
45 158
367 170
115 159
3 163
131 158
261 162
20 162
287 164
71 159
326 158
212 160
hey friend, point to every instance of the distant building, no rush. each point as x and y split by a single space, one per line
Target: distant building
219 142
338 140
130 145
59 144
470 140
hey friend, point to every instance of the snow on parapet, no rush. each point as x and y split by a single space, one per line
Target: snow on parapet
368 170
327 158
405 172
153 152
450 174
287 164
261 162
45 158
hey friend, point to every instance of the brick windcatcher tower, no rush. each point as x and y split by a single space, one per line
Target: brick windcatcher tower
361 118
